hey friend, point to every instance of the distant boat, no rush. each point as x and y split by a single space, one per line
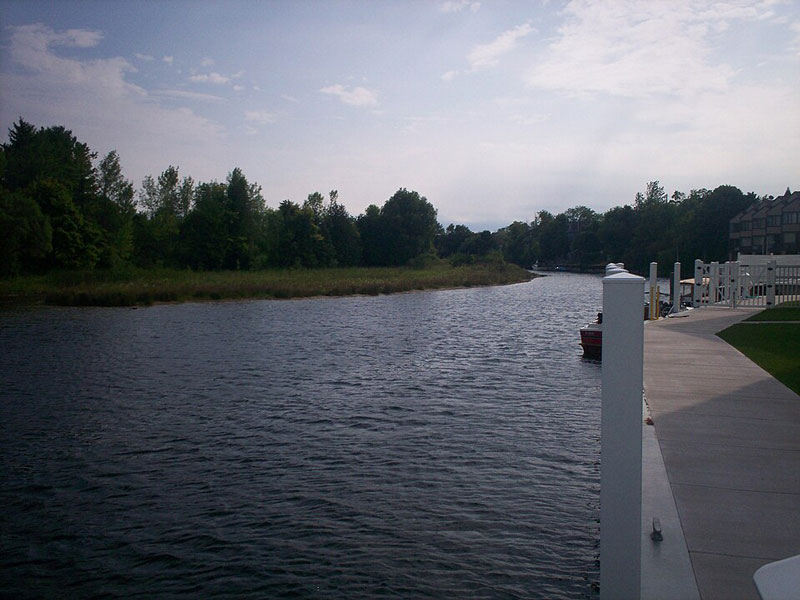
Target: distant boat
592 338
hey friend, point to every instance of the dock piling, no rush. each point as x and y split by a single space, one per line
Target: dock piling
621 436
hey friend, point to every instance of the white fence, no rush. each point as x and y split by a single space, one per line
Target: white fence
734 284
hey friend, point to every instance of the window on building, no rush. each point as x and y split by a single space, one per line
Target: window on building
758 223
758 244
790 238
747 242
774 221
790 218
771 243
747 225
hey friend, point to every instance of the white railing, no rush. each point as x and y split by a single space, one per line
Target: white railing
787 283
734 284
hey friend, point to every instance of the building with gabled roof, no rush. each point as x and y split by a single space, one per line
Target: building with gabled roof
771 226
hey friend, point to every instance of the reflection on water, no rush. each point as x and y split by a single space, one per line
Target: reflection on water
435 444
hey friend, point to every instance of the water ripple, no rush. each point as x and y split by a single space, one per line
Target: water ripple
441 444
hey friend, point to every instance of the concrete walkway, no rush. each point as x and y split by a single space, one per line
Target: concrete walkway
729 435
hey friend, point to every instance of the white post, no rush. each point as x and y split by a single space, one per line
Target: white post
713 283
676 287
698 283
771 272
733 276
654 295
614 269
621 437
725 274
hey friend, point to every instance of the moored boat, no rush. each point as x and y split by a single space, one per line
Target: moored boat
592 338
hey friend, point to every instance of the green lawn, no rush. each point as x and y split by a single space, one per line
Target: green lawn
139 286
784 312
775 347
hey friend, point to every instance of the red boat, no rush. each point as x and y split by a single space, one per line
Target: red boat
592 338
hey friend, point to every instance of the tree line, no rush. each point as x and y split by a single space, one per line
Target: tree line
656 227
62 208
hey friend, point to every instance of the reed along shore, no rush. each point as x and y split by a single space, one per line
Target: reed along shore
136 287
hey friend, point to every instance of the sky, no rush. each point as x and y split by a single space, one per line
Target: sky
492 110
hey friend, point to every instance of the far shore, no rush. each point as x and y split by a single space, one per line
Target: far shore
143 287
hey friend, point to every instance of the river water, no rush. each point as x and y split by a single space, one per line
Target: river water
426 445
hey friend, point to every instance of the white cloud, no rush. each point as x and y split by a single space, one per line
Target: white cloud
168 59
527 120
212 77
238 88
454 6
357 96
712 139
93 98
31 48
262 117
795 45
78 38
145 57
207 62
635 49
187 95
450 75
488 55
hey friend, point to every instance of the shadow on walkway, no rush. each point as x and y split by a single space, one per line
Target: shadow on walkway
729 435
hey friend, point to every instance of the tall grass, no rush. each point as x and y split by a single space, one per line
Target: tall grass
132 286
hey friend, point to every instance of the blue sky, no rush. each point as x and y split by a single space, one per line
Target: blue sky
492 110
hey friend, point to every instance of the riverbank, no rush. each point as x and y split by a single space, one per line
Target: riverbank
131 287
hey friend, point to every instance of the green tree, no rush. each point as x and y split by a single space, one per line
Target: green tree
410 226
340 229
300 238
480 244
204 238
452 240
51 167
52 153
114 211
582 227
74 240
654 238
245 206
27 238
372 230
316 204
553 237
716 210
519 245
616 231
324 250
586 248
654 195
166 202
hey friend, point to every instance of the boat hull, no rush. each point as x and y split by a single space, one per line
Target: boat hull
592 341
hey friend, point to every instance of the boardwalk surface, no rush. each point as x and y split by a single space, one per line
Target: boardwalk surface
730 438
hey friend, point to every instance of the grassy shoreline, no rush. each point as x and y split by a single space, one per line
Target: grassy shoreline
137 287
